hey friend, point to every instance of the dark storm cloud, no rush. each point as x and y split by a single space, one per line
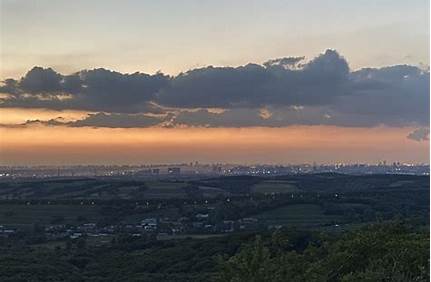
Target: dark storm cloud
290 90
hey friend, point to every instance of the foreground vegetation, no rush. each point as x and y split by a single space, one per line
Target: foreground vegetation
387 252
383 252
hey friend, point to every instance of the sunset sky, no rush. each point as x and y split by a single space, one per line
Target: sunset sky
138 82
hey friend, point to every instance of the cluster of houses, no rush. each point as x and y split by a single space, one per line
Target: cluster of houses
199 224
195 223
59 231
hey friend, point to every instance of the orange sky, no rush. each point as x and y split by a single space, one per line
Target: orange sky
20 115
295 144
147 37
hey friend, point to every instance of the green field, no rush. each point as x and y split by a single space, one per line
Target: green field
401 183
100 189
161 189
274 186
29 214
189 236
297 215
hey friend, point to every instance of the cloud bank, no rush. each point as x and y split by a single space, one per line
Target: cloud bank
279 92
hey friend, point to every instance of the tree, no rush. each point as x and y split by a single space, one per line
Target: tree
251 264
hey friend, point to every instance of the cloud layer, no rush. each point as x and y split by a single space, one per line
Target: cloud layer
420 134
279 92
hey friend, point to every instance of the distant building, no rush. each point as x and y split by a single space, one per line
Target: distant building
228 226
174 170
217 169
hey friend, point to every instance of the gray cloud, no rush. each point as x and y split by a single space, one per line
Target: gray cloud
39 80
294 91
117 120
273 117
420 134
92 90
397 95
316 82
229 118
106 120
288 62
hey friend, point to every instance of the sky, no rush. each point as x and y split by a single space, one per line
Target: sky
130 82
